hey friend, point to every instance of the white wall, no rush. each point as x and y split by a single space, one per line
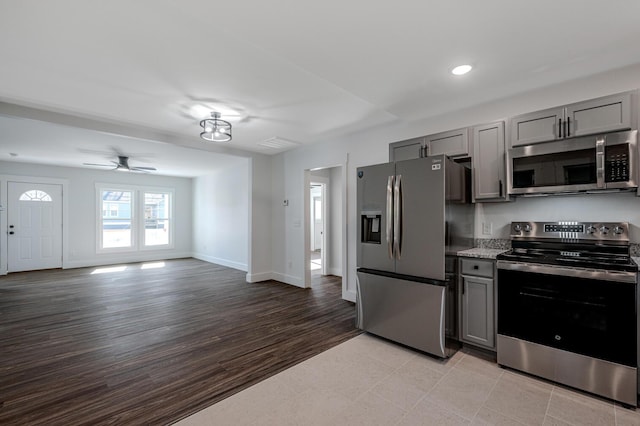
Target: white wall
335 229
371 147
261 205
80 201
221 216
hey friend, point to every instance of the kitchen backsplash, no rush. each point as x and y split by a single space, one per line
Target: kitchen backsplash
497 217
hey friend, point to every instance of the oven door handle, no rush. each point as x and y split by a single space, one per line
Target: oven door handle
594 274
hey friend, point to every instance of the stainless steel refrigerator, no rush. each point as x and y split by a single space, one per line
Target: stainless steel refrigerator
414 216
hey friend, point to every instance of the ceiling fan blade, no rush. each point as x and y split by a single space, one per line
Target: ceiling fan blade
100 165
144 168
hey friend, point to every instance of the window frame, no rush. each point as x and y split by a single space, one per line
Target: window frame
100 188
138 193
142 234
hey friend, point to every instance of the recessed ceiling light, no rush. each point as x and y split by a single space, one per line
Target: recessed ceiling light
461 69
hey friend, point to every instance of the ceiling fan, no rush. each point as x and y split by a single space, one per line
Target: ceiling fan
123 165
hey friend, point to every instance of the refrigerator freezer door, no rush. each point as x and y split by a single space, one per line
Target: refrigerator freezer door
406 312
422 218
373 208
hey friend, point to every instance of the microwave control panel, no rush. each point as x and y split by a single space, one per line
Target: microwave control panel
616 163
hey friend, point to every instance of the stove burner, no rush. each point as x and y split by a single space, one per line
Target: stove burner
607 252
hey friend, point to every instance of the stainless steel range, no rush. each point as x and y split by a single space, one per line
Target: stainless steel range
567 306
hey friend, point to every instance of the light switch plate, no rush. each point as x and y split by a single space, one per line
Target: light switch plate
487 228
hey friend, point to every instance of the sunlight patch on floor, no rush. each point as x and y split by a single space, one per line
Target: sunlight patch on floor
108 269
152 265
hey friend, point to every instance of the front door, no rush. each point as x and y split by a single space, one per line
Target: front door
34 220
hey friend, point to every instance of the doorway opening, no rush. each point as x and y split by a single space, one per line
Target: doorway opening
324 226
317 250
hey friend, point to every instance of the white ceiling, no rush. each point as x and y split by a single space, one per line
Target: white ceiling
296 70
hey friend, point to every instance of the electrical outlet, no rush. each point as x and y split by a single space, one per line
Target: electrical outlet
487 228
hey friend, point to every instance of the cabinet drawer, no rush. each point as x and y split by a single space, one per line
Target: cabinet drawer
476 267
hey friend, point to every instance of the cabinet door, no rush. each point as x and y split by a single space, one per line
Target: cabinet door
489 181
477 311
539 126
454 143
606 114
406 150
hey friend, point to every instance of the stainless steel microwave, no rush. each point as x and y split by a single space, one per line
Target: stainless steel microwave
584 164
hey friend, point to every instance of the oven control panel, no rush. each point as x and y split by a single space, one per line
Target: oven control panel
568 230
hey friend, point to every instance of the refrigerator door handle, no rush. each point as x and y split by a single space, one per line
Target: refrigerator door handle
389 216
397 217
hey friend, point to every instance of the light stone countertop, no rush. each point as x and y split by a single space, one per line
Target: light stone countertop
484 253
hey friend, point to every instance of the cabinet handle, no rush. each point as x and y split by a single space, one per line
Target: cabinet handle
559 128
568 127
476 267
500 184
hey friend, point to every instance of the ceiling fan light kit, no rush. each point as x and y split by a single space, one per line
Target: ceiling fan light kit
215 129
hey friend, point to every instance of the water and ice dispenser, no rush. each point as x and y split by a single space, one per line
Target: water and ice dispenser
370 223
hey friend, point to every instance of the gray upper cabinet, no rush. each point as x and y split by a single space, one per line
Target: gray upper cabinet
606 114
539 126
600 115
489 178
406 150
454 143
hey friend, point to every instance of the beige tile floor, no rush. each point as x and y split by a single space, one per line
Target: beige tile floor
370 381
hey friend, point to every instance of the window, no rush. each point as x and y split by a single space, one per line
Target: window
116 218
35 195
157 218
134 218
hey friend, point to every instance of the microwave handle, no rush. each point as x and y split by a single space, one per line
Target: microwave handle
600 162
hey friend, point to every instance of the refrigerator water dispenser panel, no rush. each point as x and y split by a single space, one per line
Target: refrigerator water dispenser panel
370 222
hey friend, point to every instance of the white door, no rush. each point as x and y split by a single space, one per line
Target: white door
34 221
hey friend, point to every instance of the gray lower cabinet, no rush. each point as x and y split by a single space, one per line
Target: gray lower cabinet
476 303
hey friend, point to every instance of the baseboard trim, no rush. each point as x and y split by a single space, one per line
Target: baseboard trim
122 259
349 296
259 277
335 271
288 279
223 262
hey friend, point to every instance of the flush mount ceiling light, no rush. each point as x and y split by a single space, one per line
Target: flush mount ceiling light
461 69
215 129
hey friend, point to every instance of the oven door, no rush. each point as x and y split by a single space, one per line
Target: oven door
587 316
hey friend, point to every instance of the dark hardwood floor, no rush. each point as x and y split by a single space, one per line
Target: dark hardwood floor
151 346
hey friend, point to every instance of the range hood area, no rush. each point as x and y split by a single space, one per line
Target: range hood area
589 164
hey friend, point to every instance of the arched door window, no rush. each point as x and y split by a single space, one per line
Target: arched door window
35 195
